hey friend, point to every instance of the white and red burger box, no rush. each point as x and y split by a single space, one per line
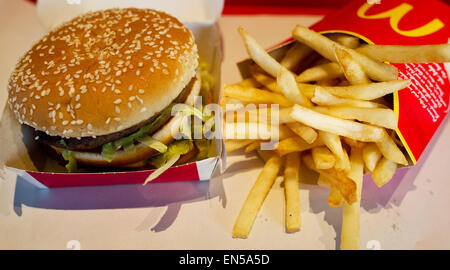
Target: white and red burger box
21 154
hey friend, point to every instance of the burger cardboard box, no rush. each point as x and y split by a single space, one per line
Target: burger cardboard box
420 108
23 155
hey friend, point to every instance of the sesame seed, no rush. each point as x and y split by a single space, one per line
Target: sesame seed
65 122
117 101
141 91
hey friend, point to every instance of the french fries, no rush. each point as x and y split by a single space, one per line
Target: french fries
291 183
255 198
332 93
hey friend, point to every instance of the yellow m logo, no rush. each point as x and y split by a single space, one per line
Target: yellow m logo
396 14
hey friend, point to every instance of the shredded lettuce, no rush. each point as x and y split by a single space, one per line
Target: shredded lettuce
108 150
173 159
71 165
205 148
153 143
166 160
207 83
127 143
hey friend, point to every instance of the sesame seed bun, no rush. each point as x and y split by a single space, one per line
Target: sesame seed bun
103 72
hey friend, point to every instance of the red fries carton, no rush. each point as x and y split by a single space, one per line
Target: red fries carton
421 108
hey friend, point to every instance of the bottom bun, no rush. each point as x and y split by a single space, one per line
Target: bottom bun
123 159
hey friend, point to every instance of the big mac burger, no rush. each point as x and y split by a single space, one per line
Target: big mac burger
99 90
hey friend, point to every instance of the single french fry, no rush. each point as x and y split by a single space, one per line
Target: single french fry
384 171
292 194
250 94
258 54
366 91
352 70
296 54
321 72
232 145
333 142
295 144
351 213
371 156
354 130
437 53
252 146
256 197
286 82
377 71
344 39
324 98
335 198
323 158
390 150
306 133
249 82
376 116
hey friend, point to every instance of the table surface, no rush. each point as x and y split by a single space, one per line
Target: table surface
407 213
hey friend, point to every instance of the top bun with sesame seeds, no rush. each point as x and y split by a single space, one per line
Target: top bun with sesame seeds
103 72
